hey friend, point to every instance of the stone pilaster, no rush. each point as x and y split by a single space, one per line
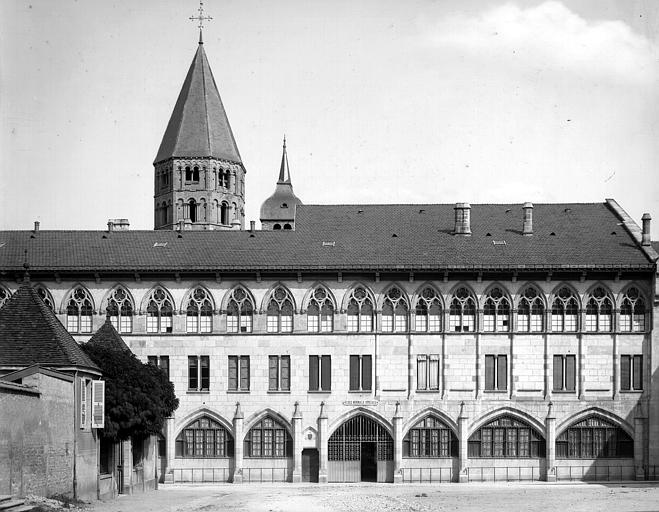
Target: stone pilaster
550 441
170 451
463 474
322 445
640 421
297 444
398 444
238 420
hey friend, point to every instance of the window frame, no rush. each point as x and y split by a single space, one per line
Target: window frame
268 445
462 299
199 311
184 440
159 304
359 375
158 361
199 373
279 322
425 372
242 364
561 371
631 377
395 322
279 373
79 303
493 372
360 322
320 373
422 308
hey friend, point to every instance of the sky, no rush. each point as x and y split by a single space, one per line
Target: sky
381 101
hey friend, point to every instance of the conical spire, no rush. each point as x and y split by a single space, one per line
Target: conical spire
199 126
284 172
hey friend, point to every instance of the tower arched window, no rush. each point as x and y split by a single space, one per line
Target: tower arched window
120 309
223 178
287 226
45 296
531 311
192 210
204 438
195 174
79 311
496 311
632 311
430 437
276 227
360 311
599 311
199 313
159 312
594 438
395 311
240 311
188 174
224 214
462 311
268 439
320 311
565 311
506 437
279 311
428 311
4 296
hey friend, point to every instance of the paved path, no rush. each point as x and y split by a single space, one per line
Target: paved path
499 497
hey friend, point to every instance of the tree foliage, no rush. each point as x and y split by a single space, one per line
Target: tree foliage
138 397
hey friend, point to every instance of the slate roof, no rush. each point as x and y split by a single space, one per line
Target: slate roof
199 126
30 333
108 335
350 237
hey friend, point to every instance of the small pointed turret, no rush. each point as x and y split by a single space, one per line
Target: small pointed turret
278 211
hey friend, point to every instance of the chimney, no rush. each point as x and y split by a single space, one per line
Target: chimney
118 224
252 226
646 229
462 216
36 226
181 225
528 218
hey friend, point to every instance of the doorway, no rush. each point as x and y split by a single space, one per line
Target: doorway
369 462
310 465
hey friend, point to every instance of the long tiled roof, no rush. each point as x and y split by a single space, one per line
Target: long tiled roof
345 237
30 333
199 126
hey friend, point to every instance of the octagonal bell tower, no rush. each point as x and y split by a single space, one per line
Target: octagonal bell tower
199 175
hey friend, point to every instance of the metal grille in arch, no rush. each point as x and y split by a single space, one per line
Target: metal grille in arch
345 442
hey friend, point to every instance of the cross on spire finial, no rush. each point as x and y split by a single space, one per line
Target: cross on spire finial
201 18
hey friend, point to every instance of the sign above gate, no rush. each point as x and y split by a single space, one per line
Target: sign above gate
360 402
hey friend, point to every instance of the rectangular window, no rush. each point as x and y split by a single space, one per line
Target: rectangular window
565 372
205 323
427 371
496 372
320 373
312 323
191 323
421 323
238 373
604 320
326 322
286 323
591 322
193 372
631 372
360 373
537 321
198 373
503 323
522 322
161 362
272 323
151 324
353 323
639 322
387 323
279 373
401 323
366 323
571 322
556 322
83 403
488 323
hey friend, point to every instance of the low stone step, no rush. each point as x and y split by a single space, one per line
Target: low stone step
23 508
7 505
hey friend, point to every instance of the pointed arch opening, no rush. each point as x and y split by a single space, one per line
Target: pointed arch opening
428 310
594 437
240 310
565 310
5 294
79 311
199 311
120 308
633 311
360 449
279 308
531 310
320 310
462 310
204 438
395 310
430 437
496 310
44 295
599 310
268 438
506 437
360 309
159 311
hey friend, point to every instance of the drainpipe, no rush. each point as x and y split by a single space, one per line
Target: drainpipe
76 392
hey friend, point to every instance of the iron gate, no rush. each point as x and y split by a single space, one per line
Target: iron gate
350 450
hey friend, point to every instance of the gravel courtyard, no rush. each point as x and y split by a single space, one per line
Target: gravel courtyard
390 498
